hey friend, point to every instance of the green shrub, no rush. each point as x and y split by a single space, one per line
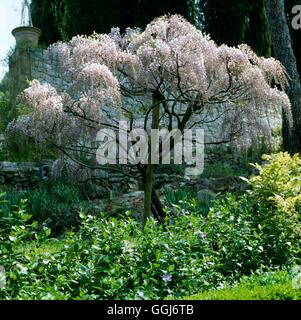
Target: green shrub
247 236
112 259
20 148
234 237
222 169
276 194
56 205
12 218
109 258
178 196
182 201
269 286
279 182
4 109
262 226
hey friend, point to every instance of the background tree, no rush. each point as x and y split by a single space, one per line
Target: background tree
48 16
238 21
61 20
171 75
283 51
258 34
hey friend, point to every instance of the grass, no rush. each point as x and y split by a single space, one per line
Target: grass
268 286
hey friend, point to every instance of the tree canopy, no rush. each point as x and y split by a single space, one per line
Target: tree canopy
170 75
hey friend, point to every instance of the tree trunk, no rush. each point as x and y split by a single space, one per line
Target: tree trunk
157 207
149 193
283 51
148 189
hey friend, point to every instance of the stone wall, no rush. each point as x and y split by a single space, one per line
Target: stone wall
22 175
26 64
26 175
44 67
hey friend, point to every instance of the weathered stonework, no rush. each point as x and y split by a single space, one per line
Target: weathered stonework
45 68
20 62
26 175
27 36
22 175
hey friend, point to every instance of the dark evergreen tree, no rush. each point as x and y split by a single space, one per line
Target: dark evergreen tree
226 20
48 16
62 19
258 36
238 21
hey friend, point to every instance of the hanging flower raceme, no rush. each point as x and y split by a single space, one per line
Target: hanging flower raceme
47 109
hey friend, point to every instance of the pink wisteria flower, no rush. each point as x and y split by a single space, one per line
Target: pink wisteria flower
47 110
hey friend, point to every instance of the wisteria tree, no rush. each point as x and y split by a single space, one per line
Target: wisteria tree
170 75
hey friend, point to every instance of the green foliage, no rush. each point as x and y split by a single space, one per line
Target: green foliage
279 182
262 227
184 202
276 194
4 110
111 259
258 35
56 205
5 105
247 237
183 198
48 15
18 148
231 15
222 169
223 161
115 259
12 218
266 286
234 236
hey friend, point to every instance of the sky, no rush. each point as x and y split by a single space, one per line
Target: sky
10 18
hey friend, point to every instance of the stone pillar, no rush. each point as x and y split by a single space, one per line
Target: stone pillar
19 62
26 37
